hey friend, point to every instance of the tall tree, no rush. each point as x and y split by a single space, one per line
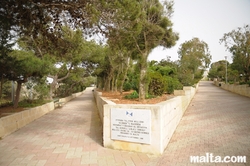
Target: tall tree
64 54
6 43
194 59
25 66
67 56
143 30
217 70
46 17
238 43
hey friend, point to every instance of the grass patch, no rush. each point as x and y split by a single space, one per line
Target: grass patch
4 103
133 95
32 103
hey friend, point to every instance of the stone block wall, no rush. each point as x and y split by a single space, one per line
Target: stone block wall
165 117
13 122
100 102
243 90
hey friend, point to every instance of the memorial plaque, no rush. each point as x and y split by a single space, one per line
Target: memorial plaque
132 125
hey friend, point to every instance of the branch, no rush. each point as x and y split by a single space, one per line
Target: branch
67 75
137 45
39 50
60 5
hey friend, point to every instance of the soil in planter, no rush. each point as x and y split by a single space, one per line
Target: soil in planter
118 98
8 110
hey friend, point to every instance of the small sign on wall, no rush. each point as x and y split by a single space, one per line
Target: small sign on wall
132 125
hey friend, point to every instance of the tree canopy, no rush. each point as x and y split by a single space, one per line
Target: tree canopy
194 59
141 30
238 43
58 31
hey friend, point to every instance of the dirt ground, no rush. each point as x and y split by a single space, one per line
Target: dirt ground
8 110
118 98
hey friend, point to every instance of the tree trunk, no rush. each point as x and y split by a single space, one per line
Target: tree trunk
107 85
124 75
113 82
143 73
55 81
52 86
100 82
1 87
69 90
18 90
51 89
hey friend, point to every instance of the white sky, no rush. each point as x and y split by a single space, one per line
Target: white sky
208 20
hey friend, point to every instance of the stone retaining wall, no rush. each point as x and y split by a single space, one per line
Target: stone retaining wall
165 117
13 122
243 90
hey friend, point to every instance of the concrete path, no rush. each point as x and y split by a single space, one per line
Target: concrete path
216 122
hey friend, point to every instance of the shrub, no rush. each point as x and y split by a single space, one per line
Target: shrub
186 79
4 103
32 103
149 96
248 83
133 95
171 84
127 86
157 84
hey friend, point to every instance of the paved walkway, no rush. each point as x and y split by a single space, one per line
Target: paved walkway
216 122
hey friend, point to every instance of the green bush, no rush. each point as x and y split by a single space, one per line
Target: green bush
172 84
186 79
32 103
149 96
6 91
135 83
157 84
4 103
243 83
127 86
133 95
248 83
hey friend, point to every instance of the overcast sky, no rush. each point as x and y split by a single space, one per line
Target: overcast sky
208 20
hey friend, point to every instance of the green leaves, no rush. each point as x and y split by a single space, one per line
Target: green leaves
238 43
194 59
26 64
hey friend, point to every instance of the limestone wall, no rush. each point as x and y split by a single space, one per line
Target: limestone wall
13 122
165 117
243 90
100 102
67 99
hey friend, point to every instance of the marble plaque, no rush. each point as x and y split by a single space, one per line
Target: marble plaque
132 125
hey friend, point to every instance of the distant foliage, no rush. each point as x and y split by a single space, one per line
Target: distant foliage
237 42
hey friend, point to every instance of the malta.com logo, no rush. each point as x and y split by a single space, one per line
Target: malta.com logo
210 158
